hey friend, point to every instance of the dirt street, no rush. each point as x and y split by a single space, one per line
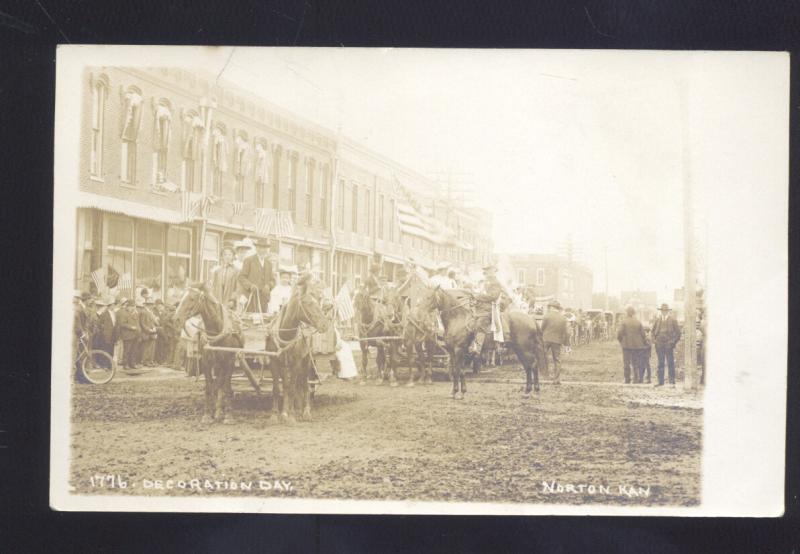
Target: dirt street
591 440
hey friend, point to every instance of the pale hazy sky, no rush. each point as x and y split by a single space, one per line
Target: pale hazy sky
555 142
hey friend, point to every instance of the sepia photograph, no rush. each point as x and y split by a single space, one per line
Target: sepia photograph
419 281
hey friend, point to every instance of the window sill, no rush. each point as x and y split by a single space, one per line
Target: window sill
127 185
97 179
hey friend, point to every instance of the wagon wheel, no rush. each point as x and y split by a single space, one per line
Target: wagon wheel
98 367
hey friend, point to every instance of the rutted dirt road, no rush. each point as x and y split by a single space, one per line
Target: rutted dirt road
596 440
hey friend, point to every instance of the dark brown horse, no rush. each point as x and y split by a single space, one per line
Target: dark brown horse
525 337
455 309
217 367
377 318
290 336
418 328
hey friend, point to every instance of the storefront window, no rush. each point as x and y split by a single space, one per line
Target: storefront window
150 255
120 248
179 253
210 254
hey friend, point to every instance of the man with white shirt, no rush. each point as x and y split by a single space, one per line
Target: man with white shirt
441 279
281 292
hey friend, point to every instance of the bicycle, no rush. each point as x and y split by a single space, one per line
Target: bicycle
96 366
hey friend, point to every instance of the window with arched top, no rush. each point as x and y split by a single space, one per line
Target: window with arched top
192 128
241 162
131 123
162 130
262 162
219 157
99 96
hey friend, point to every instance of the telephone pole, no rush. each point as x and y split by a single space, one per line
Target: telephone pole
605 261
690 312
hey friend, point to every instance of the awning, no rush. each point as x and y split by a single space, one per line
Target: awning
126 207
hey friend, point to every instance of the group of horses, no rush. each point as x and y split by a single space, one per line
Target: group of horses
401 322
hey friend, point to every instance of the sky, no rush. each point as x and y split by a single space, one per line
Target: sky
556 144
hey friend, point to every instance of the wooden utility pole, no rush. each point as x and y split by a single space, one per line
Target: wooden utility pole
605 258
690 312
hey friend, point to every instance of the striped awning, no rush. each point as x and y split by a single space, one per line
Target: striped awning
126 207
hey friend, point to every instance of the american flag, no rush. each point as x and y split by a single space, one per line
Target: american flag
238 208
264 221
125 282
285 224
99 278
343 304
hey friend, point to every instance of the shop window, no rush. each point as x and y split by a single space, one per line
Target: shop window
179 254
149 255
210 255
120 245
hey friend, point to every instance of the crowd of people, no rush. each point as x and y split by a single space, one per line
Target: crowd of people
140 331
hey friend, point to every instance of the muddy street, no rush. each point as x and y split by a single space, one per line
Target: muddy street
590 440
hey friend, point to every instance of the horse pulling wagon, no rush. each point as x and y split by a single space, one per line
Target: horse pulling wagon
281 344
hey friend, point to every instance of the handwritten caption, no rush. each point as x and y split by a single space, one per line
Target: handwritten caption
260 486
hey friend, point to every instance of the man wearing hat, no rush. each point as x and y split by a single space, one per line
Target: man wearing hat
373 282
129 330
224 279
632 338
554 334
149 324
440 279
105 337
256 277
281 292
483 308
666 335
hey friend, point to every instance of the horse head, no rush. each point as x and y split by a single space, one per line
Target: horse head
311 309
198 300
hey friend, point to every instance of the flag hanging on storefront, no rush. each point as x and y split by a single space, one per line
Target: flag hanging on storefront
125 282
264 219
99 278
284 224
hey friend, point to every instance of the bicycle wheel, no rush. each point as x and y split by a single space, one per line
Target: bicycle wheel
98 367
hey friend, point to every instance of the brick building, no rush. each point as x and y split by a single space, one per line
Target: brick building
553 276
155 142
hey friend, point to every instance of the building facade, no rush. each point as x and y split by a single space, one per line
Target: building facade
555 277
174 164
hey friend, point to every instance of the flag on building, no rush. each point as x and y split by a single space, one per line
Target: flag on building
284 224
125 281
343 304
99 278
238 208
264 221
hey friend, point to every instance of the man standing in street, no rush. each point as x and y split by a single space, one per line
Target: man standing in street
149 324
666 335
128 330
632 338
554 334
256 277
104 338
483 308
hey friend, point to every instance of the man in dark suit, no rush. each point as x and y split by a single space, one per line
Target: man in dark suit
149 323
105 336
129 331
554 334
634 343
224 282
257 278
666 335
483 308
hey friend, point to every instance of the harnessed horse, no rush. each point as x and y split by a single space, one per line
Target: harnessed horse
418 329
376 318
290 337
217 367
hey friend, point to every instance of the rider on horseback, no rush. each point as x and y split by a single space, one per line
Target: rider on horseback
483 308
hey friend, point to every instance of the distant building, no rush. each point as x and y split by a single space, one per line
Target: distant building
599 302
554 276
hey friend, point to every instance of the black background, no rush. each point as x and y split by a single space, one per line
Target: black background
29 32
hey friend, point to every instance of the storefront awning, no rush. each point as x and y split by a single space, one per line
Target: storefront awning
126 207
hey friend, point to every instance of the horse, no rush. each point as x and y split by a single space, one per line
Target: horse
455 309
217 367
418 329
525 337
294 363
376 319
